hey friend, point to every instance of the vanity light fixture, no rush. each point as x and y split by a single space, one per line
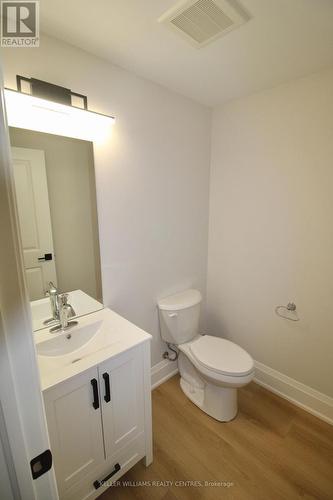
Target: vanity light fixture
49 108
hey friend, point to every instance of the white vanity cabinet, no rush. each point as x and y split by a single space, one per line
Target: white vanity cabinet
99 422
122 401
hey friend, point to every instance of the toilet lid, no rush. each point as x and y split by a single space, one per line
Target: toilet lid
222 356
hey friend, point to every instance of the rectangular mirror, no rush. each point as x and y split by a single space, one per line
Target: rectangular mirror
56 202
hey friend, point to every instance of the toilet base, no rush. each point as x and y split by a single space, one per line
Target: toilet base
218 402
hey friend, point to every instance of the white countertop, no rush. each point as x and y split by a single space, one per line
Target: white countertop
113 335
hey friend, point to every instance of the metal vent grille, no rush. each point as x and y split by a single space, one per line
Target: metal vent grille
202 21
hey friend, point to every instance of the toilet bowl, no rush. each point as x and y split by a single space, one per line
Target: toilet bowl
211 368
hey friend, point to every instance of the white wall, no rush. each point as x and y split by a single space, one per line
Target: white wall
152 179
271 236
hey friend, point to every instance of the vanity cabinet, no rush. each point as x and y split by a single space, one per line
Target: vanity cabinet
75 428
121 383
99 423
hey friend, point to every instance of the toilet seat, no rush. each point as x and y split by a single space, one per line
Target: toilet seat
221 356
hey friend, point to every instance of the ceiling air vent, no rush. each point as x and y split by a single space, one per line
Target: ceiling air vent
202 21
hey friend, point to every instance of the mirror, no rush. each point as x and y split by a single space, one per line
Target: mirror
56 202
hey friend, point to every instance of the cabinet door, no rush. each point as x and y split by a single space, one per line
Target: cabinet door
122 410
75 427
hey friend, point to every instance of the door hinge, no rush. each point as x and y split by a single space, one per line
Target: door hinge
41 464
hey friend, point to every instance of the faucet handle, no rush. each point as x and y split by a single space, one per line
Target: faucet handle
63 299
52 290
52 287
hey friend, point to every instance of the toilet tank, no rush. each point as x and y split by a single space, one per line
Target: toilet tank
179 316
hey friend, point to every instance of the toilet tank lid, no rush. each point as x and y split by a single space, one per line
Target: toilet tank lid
181 300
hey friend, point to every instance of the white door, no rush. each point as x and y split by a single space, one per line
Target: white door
122 402
33 207
75 428
22 412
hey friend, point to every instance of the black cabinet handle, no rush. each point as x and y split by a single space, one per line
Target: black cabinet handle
107 396
98 484
95 393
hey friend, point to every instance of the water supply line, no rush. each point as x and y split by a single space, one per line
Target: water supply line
172 348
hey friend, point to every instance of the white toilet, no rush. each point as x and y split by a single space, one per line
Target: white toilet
211 368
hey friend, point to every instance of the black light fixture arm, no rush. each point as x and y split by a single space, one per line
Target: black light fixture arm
49 91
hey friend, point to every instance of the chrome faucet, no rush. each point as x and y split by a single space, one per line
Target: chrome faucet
54 299
66 312
53 294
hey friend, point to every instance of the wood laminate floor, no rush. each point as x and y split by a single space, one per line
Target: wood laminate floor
271 451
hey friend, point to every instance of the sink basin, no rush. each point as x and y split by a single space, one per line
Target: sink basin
74 344
68 342
97 337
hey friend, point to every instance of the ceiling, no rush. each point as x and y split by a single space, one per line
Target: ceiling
283 40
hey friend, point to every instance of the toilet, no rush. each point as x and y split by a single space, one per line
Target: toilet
211 368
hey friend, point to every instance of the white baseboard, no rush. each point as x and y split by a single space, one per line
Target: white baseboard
162 371
301 395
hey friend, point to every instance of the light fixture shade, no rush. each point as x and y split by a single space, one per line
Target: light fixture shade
29 112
